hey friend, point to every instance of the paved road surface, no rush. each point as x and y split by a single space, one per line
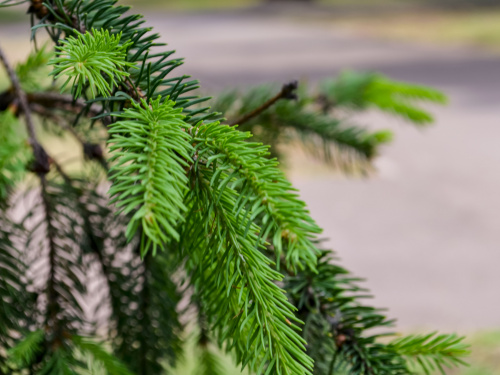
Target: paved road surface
425 231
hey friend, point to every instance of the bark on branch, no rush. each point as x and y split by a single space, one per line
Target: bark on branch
287 92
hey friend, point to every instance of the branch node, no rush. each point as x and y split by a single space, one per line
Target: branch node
93 151
41 161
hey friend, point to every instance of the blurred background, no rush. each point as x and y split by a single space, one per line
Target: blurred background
424 229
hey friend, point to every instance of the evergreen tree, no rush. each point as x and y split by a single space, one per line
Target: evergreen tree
196 220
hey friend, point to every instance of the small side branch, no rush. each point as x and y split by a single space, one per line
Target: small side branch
21 96
91 151
41 103
54 100
41 167
41 164
44 103
287 92
52 294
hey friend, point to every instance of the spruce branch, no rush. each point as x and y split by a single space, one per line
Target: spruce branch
331 135
150 146
263 189
338 328
90 57
15 302
146 319
25 351
287 92
52 294
150 80
56 259
211 198
432 351
41 166
257 321
111 365
361 91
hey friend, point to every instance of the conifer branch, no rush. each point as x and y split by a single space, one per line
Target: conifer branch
229 270
212 200
25 351
109 362
41 167
153 137
432 351
15 303
263 189
53 307
287 92
96 57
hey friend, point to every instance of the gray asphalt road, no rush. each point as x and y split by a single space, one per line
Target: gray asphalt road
424 231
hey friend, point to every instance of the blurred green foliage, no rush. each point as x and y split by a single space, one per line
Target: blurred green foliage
484 358
485 354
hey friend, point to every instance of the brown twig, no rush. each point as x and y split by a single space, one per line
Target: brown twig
54 100
51 100
91 151
325 103
41 163
44 112
287 92
21 96
42 160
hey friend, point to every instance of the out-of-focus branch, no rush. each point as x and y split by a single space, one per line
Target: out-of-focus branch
41 164
287 92
42 160
21 97
54 100
44 112
51 100
92 151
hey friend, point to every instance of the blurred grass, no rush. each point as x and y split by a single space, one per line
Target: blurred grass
478 28
189 4
485 354
218 4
